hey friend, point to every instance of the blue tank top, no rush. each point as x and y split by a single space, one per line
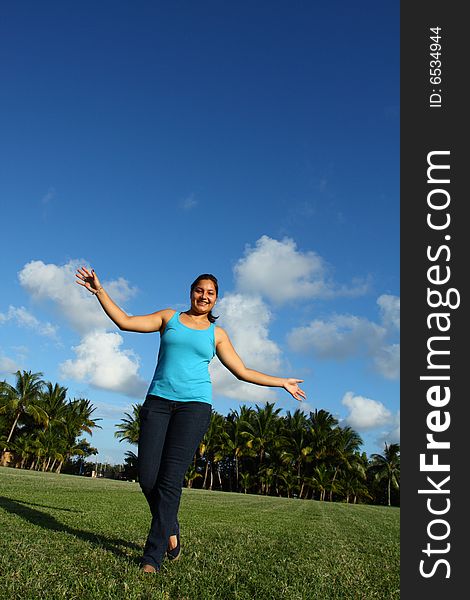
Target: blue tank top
182 371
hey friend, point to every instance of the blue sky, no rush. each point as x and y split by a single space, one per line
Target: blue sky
156 141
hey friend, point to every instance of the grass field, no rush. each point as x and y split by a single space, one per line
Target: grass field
80 538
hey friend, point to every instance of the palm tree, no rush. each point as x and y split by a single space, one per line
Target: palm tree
23 449
297 443
320 480
37 451
354 484
23 399
53 401
245 481
344 452
77 418
131 462
49 442
262 429
289 480
83 410
191 475
261 432
321 425
266 476
232 439
128 428
210 447
387 467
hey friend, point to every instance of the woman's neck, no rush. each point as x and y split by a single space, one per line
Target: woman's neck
196 317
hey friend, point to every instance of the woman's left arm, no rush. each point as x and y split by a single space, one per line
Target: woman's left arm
230 359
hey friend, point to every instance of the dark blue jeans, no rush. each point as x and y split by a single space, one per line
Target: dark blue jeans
170 432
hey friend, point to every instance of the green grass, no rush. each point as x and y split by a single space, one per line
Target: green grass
79 538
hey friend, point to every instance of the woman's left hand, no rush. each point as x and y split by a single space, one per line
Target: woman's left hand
291 385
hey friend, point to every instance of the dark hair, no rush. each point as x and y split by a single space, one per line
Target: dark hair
212 278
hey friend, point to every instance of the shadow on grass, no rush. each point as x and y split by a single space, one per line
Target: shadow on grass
45 506
43 519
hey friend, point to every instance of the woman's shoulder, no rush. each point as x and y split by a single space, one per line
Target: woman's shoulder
220 333
167 314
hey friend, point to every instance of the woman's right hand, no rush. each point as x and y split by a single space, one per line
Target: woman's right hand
88 279
141 323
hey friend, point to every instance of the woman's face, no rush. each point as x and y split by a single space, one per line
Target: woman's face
204 296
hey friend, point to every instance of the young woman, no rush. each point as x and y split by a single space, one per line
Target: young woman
177 408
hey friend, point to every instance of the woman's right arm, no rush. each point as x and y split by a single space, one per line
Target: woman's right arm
141 323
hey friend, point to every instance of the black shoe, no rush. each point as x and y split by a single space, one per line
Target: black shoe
175 553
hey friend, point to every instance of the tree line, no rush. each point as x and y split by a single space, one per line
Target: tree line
251 450
257 450
40 428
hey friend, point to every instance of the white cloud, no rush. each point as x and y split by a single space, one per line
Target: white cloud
387 361
8 365
46 199
57 284
365 413
246 320
279 272
341 337
101 363
106 410
345 336
119 289
390 311
22 354
305 407
22 317
189 202
391 436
